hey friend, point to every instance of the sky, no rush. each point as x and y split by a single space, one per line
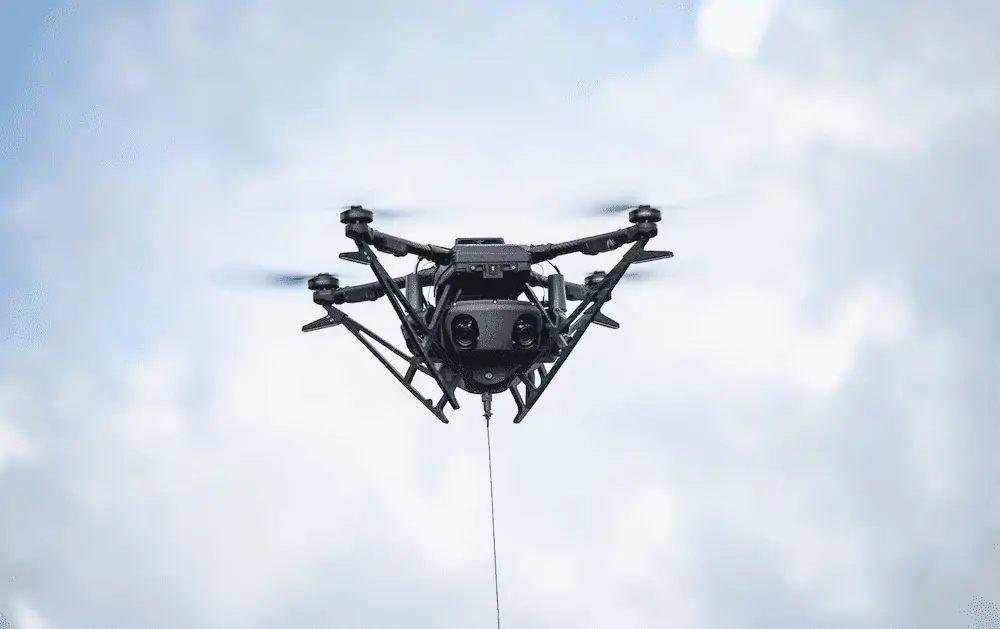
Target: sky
794 427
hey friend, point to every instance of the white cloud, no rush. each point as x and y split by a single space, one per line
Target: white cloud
25 616
15 446
734 27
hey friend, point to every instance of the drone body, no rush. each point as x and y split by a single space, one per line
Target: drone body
478 335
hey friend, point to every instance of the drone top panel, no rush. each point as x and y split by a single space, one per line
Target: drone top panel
491 260
479 241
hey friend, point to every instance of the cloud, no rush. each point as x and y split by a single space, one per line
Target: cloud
14 447
734 27
793 429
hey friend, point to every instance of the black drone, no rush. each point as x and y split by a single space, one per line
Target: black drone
478 335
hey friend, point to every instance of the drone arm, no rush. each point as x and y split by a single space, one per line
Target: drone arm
374 290
394 245
576 292
593 245
399 247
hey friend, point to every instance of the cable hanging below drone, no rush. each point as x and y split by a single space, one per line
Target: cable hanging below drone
475 333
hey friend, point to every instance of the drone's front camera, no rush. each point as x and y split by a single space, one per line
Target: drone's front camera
464 332
525 334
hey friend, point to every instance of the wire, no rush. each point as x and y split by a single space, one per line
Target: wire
493 520
427 292
550 263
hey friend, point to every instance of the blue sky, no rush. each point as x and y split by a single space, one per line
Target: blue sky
30 66
23 26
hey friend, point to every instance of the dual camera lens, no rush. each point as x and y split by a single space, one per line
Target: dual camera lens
465 333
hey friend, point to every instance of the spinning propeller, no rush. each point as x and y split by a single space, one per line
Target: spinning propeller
594 278
642 276
270 279
391 213
283 280
621 206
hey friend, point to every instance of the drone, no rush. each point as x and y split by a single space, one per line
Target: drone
477 334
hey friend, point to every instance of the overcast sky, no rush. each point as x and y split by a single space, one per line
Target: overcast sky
795 427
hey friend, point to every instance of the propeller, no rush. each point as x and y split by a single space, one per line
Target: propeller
621 206
642 276
269 279
636 275
391 213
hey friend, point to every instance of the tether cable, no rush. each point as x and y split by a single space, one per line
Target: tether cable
493 520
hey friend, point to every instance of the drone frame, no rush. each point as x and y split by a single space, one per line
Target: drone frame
569 329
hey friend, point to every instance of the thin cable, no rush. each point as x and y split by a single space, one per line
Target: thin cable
493 520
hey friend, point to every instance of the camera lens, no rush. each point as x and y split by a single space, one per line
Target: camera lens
525 334
464 332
